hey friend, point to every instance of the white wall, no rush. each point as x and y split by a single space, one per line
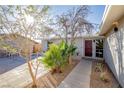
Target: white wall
114 52
44 45
93 49
78 44
56 41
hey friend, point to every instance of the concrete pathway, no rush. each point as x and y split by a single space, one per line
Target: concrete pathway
79 77
14 73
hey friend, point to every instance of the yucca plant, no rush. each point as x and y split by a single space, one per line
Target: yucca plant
70 51
64 48
67 49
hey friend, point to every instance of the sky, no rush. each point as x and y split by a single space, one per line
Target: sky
94 17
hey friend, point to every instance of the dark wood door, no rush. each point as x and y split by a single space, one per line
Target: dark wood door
88 48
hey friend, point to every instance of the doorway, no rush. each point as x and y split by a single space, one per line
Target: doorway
88 48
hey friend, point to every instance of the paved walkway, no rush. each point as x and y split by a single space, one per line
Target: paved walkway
79 77
14 72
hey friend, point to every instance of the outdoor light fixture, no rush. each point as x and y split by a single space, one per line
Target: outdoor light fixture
115 26
115 29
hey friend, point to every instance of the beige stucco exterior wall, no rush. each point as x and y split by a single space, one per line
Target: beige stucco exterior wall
114 52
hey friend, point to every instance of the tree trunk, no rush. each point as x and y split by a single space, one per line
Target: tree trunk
70 59
66 36
58 69
34 85
37 67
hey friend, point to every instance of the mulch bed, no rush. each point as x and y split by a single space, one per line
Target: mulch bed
97 82
53 80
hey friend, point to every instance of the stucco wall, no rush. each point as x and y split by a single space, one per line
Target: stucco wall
80 47
44 45
78 44
114 52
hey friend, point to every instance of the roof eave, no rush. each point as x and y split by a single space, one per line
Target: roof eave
107 8
113 13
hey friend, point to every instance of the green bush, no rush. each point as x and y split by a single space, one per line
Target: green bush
104 77
99 67
53 57
66 49
57 55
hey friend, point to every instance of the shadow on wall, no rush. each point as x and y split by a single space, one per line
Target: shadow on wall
114 54
119 44
109 58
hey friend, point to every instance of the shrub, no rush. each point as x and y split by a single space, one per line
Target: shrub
66 49
104 77
53 58
99 67
57 56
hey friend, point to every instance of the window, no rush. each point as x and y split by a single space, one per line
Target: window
48 43
99 48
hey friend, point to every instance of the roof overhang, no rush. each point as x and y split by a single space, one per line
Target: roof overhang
112 13
83 37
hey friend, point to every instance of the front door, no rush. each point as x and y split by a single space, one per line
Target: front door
88 48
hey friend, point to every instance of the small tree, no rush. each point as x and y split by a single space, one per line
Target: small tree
25 21
73 24
53 58
56 57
